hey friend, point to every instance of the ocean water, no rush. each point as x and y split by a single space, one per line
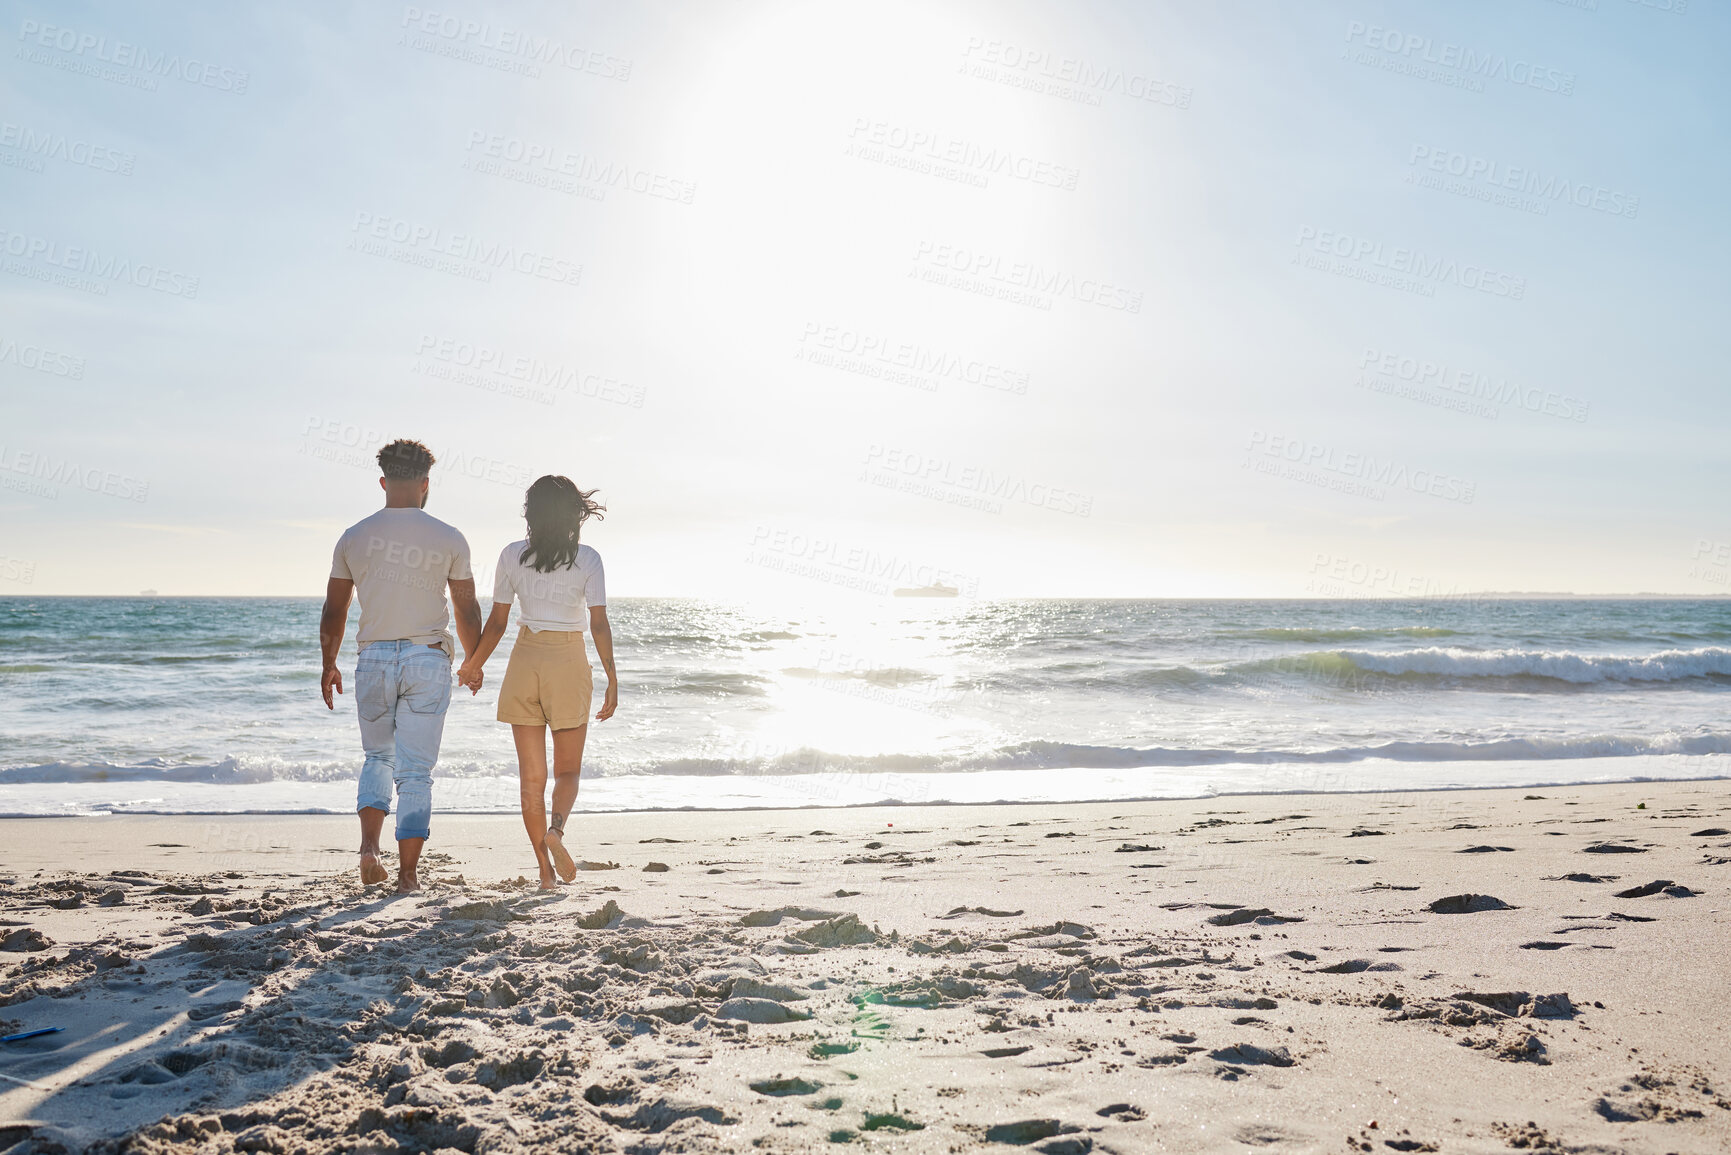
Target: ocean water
211 705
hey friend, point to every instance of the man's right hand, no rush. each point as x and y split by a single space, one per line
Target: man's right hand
470 676
332 677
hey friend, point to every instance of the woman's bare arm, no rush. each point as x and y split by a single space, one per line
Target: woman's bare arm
602 631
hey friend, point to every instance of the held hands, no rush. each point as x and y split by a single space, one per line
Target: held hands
609 703
470 676
331 678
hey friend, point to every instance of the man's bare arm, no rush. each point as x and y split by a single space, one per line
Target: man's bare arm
333 622
467 612
470 672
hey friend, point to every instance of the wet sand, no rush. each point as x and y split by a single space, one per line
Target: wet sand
1466 971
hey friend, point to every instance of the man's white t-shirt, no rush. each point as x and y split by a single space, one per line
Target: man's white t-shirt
400 560
550 601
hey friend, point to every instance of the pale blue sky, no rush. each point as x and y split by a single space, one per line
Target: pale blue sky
1230 436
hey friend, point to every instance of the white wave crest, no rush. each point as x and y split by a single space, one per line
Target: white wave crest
1563 666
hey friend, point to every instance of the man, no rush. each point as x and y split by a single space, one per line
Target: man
400 561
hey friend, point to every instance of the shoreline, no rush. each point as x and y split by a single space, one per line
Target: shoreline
888 803
848 789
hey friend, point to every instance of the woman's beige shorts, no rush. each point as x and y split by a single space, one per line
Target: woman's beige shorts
548 682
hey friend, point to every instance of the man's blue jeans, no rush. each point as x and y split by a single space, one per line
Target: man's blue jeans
402 690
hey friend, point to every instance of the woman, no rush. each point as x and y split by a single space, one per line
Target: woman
548 682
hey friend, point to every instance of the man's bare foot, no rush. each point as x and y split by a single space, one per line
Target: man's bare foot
408 884
373 869
561 857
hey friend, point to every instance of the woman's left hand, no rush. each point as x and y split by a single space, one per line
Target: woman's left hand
609 703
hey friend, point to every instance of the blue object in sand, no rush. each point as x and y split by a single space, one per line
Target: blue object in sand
22 1035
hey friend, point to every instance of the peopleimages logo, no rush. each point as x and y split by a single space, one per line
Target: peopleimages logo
903 362
828 559
344 443
1486 179
40 146
1422 373
1357 473
463 253
971 486
41 359
1463 66
883 141
44 470
540 379
78 47
1068 76
539 160
1024 277
81 262
1336 575
17 570
1408 265
447 35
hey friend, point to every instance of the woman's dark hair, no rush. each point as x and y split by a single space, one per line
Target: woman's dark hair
556 509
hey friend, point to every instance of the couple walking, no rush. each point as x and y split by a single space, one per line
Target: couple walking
400 562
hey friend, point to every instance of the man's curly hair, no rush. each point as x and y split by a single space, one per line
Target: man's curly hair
405 460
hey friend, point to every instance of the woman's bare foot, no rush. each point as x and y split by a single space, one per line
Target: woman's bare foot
561 857
547 881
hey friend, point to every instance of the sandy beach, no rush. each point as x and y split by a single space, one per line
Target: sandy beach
1459 971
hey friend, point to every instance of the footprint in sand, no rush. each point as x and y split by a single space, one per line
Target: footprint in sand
1251 1055
778 1086
763 1011
774 917
890 1121
1026 1131
25 939
1267 1135
746 987
1468 904
1261 916
957 912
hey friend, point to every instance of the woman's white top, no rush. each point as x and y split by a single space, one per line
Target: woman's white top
550 601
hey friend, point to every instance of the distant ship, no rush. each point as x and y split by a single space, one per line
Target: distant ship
935 590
